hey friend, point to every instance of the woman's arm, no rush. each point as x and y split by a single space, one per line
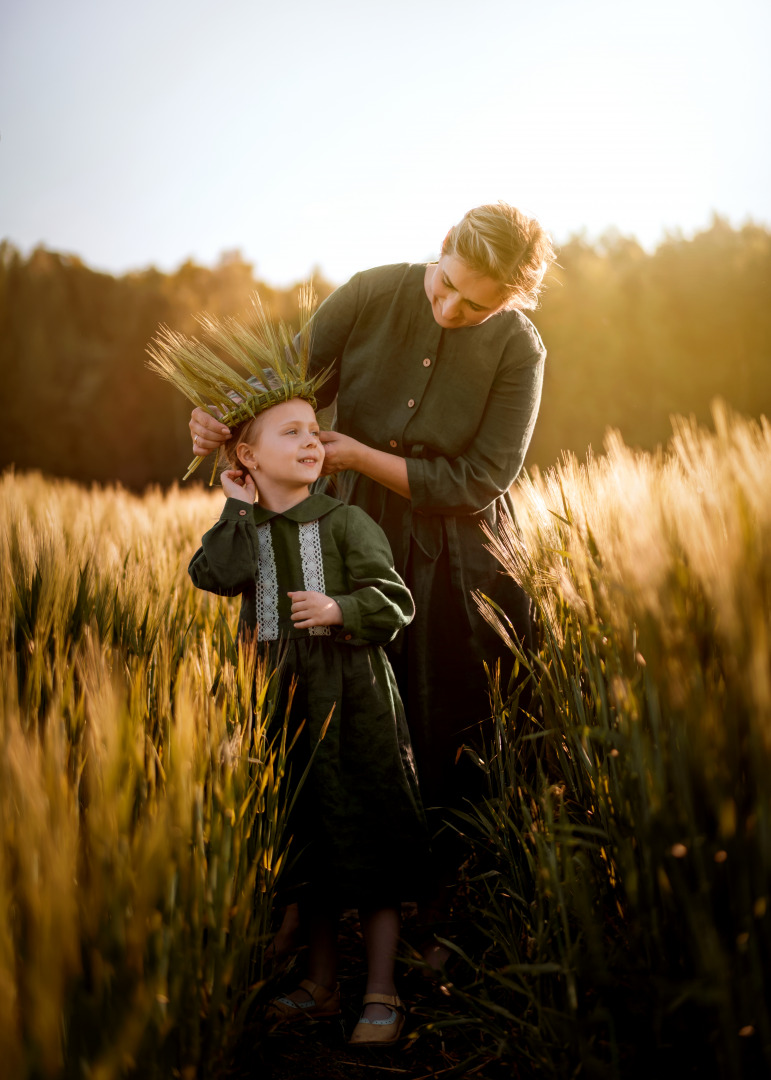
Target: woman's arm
468 483
343 452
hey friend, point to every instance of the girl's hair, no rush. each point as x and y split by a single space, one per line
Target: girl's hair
499 241
238 434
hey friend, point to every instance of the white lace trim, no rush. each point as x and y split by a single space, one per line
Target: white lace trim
267 587
312 566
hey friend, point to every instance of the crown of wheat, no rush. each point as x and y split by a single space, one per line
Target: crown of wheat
276 361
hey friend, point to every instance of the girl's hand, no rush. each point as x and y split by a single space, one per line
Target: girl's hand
340 452
239 485
314 609
206 432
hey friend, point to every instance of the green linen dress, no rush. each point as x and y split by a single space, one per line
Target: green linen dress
460 405
359 822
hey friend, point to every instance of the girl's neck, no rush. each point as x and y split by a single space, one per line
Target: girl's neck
279 499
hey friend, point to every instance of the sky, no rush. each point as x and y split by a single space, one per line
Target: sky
341 135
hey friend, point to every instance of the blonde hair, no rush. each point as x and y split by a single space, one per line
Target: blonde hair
502 243
243 432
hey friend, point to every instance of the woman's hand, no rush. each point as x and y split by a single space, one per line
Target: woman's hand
239 485
207 432
314 609
340 452
343 452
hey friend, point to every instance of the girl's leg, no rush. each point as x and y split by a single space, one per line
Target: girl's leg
380 927
433 915
322 926
288 934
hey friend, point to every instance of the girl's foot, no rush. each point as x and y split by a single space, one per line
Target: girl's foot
375 1010
308 1000
381 1022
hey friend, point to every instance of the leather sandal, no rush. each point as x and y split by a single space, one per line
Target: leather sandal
322 1004
379 1032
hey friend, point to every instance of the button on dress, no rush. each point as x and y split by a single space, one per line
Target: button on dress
358 827
460 405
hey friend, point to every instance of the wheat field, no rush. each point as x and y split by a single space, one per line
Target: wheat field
142 803
619 869
626 874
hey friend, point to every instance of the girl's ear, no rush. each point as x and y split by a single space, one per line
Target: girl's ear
245 455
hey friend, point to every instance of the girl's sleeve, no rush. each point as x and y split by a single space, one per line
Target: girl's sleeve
225 562
490 465
379 604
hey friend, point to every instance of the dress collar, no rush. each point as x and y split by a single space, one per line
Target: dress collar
315 506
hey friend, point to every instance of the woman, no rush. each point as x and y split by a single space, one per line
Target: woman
437 375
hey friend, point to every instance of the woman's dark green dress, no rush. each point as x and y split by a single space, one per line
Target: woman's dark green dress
460 405
359 821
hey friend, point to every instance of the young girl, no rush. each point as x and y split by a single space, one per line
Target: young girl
318 586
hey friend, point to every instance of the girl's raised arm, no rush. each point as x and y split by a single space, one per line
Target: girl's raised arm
226 560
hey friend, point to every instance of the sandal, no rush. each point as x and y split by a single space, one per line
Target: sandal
379 1032
322 1004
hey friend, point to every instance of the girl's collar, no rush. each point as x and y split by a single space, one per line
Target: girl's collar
315 506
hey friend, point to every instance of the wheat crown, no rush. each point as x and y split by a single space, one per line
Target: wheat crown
275 359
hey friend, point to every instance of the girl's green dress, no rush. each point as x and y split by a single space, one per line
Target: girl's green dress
359 822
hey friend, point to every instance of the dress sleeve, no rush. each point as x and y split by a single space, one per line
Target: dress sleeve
331 327
490 465
379 604
225 562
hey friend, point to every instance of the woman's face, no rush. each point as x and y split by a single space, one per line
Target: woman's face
460 296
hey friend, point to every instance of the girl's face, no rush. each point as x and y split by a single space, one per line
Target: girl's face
284 450
460 296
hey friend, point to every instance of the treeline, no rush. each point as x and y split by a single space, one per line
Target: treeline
79 400
632 338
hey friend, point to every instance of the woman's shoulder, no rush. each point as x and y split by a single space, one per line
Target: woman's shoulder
370 291
514 336
389 278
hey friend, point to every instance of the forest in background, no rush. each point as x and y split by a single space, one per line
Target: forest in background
632 338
